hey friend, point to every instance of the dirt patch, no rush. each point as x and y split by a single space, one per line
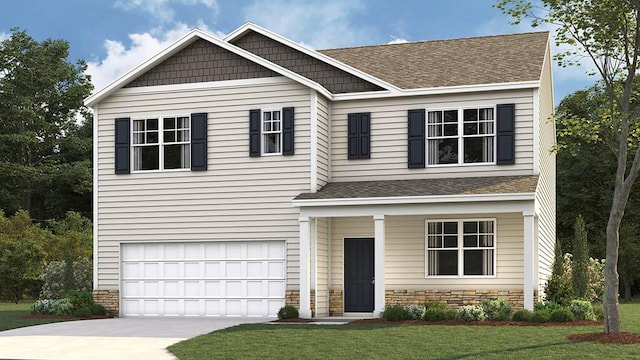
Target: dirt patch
477 323
600 337
293 320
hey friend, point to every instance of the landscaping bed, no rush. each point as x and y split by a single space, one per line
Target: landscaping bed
478 323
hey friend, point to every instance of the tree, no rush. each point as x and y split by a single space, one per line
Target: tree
45 154
629 261
608 32
21 255
579 276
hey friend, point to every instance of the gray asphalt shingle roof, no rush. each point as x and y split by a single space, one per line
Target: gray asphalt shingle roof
425 187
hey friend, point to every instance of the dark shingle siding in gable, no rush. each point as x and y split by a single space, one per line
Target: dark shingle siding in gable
455 62
332 78
201 62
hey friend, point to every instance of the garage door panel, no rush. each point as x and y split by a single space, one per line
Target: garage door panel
203 279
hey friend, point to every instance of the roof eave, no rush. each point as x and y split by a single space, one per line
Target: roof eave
400 200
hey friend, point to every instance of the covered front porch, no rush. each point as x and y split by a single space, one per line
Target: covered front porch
358 254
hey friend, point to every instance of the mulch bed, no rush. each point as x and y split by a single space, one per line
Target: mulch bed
293 320
600 337
68 317
477 323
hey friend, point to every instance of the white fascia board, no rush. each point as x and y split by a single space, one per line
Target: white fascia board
249 26
400 200
96 208
432 210
181 44
438 90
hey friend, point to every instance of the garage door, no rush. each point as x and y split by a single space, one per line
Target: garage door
203 279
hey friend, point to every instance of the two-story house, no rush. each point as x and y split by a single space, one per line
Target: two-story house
232 176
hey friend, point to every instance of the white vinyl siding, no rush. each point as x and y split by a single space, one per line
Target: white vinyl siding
546 191
323 141
238 198
405 253
389 151
322 268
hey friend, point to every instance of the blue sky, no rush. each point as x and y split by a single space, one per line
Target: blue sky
115 36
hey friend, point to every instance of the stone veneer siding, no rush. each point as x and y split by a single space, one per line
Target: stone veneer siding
292 297
110 299
201 61
333 79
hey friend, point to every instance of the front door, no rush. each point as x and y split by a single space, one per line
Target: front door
358 275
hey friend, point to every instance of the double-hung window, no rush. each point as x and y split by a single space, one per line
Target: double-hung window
461 136
272 132
161 143
460 248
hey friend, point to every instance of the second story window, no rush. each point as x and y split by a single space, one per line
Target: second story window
461 136
272 132
161 143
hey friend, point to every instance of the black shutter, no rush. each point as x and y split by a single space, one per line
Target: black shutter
359 136
254 132
199 142
123 145
352 135
287 131
417 136
365 135
506 145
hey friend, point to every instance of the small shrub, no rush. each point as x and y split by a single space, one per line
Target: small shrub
541 316
472 313
562 315
548 305
98 309
522 315
436 305
288 312
435 314
83 312
62 307
44 306
559 289
582 310
598 311
395 313
414 311
79 298
497 310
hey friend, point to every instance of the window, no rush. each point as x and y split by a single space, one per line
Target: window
460 248
272 132
161 143
448 137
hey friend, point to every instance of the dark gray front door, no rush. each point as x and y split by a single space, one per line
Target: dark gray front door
358 275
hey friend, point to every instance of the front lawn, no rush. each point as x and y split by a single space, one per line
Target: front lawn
380 341
12 316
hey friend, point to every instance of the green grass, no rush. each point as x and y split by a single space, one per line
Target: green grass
12 316
280 341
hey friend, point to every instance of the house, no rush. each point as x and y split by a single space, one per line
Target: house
235 175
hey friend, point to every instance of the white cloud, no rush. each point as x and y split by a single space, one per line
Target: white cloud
4 36
162 10
397 41
319 25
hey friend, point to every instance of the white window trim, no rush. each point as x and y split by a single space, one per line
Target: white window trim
461 248
160 143
460 135
263 144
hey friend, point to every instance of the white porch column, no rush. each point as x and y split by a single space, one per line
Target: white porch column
305 239
529 254
379 301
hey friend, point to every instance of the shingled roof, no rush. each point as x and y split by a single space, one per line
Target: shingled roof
455 62
425 187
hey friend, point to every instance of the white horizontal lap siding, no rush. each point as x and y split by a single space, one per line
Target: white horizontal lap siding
323 141
237 198
389 137
546 191
322 268
405 253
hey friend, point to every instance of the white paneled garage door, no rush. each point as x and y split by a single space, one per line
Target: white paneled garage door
203 279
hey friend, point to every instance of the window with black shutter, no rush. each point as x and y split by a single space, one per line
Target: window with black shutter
359 135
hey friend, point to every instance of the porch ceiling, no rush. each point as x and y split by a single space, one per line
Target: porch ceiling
425 187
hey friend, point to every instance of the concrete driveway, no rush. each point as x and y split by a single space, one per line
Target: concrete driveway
122 338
